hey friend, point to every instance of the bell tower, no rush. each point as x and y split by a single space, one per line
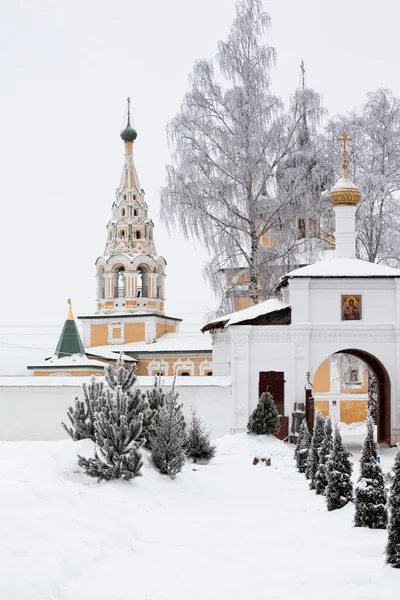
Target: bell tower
130 276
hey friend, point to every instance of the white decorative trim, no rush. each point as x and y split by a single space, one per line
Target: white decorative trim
116 325
157 366
205 365
187 365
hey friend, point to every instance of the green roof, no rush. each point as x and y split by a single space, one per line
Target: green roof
70 341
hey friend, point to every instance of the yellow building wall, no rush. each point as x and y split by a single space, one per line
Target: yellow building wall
353 411
99 334
162 328
134 332
74 373
322 378
323 406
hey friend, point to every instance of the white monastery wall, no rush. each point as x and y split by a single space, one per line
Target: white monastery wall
325 300
32 408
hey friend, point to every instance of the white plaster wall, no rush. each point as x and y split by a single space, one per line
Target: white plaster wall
35 412
378 300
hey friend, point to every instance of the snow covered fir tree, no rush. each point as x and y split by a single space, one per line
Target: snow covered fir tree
81 415
120 418
199 446
118 434
264 419
303 447
157 398
168 441
321 478
393 543
316 442
370 493
339 490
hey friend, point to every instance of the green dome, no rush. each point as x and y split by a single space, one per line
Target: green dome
129 134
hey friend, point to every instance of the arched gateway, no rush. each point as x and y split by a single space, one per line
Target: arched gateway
332 381
336 305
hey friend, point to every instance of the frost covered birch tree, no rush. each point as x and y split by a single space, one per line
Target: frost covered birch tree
227 144
374 165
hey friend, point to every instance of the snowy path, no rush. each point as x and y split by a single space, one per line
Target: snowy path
230 530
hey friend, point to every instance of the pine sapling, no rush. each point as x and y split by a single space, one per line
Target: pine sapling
118 440
169 439
316 442
393 543
156 398
199 446
321 477
370 494
264 419
81 415
339 490
119 377
303 447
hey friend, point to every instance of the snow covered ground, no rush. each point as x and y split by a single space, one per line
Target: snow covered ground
229 530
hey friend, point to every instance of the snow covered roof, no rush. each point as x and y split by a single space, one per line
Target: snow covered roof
345 267
344 184
247 314
169 342
74 361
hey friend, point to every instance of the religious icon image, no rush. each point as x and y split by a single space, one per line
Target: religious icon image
351 308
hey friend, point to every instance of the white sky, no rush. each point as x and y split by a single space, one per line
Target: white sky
66 69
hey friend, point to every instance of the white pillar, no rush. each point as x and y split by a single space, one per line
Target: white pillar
345 234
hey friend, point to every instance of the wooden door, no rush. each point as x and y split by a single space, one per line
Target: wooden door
274 383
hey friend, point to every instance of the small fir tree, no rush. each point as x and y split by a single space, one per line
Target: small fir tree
393 543
81 415
339 490
303 447
321 478
265 418
118 436
156 398
119 377
169 439
199 445
370 494
316 442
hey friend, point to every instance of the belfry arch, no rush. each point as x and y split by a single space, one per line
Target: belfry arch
384 389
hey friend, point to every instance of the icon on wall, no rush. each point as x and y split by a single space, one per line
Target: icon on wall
351 308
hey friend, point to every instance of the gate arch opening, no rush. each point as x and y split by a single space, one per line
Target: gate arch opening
383 417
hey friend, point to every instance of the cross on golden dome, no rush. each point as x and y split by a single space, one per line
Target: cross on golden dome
344 138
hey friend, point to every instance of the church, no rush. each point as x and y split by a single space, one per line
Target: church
337 306
130 313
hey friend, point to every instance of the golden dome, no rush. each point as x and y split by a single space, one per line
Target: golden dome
345 193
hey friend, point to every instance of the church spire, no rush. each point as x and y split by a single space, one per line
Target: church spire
130 275
345 196
70 341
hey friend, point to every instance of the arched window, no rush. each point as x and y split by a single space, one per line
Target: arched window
101 284
122 234
135 212
123 212
143 282
185 374
138 234
119 282
301 228
209 374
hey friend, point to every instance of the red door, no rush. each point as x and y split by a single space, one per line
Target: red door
274 383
